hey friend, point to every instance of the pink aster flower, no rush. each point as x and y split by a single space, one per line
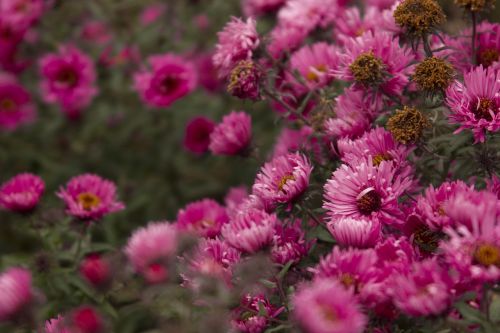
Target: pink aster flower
21 13
389 67
352 25
395 254
283 179
152 13
22 192
359 233
237 41
96 270
247 317
17 292
86 319
150 248
475 103
68 79
425 290
315 64
308 14
197 134
205 218
250 230
96 32
493 185
289 244
56 325
366 190
233 135
169 79
326 307
285 38
253 8
90 197
207 73
234 198
291 140
16 106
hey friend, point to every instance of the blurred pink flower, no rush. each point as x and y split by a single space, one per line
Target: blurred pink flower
96 270
86 319
56 325
350 232
21 13
22 192
152 13
16 106
197 134
205 218
247 317
16 290
96 32
291 140
254 8
233 135
289 243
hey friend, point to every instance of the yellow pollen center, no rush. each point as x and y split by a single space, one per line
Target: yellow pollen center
315 72
88 200
347 280
487 255
328 313
7 105
379 158
284 180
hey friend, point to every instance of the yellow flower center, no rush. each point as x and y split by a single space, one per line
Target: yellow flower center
88 200
284 180
487 254
379 158
315 72
347 280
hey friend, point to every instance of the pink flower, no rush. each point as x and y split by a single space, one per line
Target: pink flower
285 38
86 319
247 317
68 79
56 325
95 270
233 135
475 104
237 41
359 233
96 32
251 230
205 218
352 25
289 244
395 255
21 13
424 291
493 185
152 13
150 248
16 106
22 192
207 73
255 8
197 134
16 291
234 197
90 197
326 307
366 191
290 140
169 79
308 14
283 179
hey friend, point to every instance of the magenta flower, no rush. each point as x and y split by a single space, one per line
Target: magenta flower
493 185
251 230
326 307
56 325
475 104
86 319
283 179
16 106
308 15
237 41
96 270
152 13
150 248
21 193
233 135
247 318
197 134
90 197
21 14
289 243
253 8
97 32
68 79
234 197
17 292
360 233
205 218
366 191
425 290
169 79
290 140
395 254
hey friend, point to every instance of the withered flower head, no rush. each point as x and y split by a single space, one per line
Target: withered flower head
419 17
433 74
407 125
367 69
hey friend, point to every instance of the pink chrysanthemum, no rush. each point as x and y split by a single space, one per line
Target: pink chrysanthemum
96 270
56 325
326 307
150 248
90 197
250 230
247 317
352 25
253 8
285 38
315 64
86 319
308 14
205 218
22 192
68 79
289 244
21 13
376 60
493 185
197 134
290 140
395 254
425 290
283 179
152 13
169 79
366 190
234 197
233 135
207 73
475 103
97 32
237 41
359 233
16 106
16 291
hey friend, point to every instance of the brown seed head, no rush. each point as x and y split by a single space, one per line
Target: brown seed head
367 69
407 125
433 74
419 17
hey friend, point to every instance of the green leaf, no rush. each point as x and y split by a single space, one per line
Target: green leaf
284 270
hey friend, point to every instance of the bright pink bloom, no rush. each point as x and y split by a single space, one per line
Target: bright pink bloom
68 79
366 190
290 140
352 25
395 254
308 14
475 103
90 197
96 32
169 79
394 59
285 38
16 291
493 185
425 290
152 13
255 8
16 106
359 233
250 230
125 55
283 179
233 135
150 247
381 4
289 243
205 218
237 41
86 320
56 325
246 321
326 307
197 134
22 192
234 197
21 14
96 270
207 73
